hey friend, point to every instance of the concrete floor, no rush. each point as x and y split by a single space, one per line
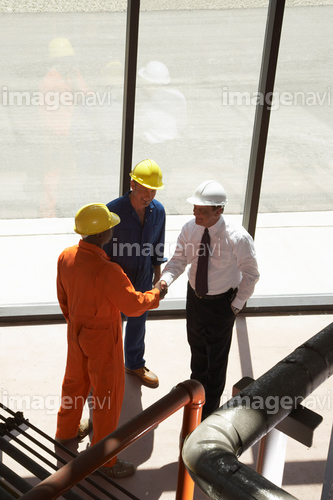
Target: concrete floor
33 360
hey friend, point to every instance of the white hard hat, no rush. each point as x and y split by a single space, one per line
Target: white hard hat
209 193
155 72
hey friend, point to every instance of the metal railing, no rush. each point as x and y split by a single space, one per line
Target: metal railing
188 394
211 452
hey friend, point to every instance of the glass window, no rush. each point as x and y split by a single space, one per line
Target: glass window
298 173
295 220
193 65
61 111
61 94
61 97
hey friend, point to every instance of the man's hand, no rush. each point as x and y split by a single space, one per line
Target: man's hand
162 287
235 310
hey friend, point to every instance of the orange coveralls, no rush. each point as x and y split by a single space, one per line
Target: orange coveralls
91 292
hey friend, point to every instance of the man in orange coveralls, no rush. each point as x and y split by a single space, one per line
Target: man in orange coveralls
91 292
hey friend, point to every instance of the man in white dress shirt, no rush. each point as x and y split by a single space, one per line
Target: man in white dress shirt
216 296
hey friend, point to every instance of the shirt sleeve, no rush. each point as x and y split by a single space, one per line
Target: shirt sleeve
62 296
158 255
123 295
248 266
177 264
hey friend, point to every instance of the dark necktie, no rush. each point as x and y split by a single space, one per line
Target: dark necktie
201 278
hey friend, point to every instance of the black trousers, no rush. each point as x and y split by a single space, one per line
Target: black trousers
209 332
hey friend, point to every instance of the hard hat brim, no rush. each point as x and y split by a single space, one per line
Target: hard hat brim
144 184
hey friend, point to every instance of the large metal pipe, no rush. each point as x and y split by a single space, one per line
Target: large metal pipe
211 452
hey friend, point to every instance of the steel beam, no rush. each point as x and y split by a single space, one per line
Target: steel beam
328 480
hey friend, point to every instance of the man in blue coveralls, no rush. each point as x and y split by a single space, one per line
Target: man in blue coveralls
138 247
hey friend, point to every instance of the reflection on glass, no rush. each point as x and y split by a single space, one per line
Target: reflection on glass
60 121
161 114
64 91
186 59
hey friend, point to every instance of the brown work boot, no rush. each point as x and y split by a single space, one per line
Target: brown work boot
84 429
147 377
120 469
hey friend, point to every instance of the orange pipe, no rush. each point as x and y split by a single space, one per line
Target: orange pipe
191 419
189 393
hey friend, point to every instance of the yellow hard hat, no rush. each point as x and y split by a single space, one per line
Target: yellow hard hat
113 72
60 47
94 218
148 174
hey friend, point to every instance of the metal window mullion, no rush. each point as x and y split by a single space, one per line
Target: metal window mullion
131 56
262 116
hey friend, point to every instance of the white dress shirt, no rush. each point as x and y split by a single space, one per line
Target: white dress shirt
232 259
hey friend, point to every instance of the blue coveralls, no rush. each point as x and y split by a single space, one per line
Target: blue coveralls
137 249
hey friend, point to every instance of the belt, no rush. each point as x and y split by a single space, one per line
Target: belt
218 296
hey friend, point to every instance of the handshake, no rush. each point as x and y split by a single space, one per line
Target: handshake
162 287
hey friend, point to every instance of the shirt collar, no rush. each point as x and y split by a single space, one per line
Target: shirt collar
93 248
150 207
215 228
